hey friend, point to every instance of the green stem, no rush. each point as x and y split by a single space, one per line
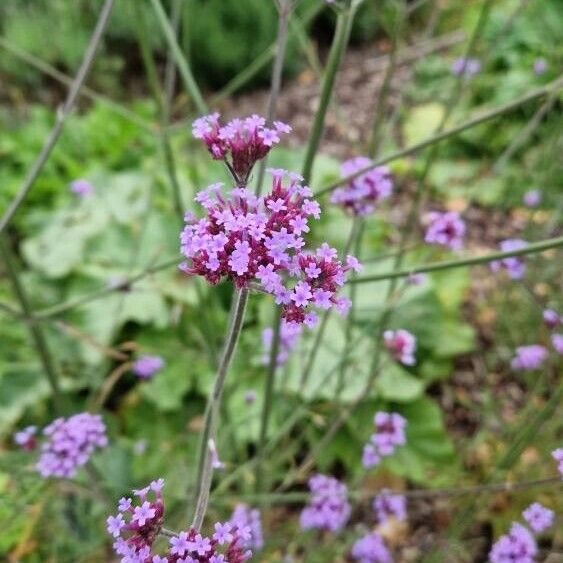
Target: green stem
341 36
205 470
447 264
35 329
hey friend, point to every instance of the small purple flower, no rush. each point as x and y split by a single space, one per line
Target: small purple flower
557 455
540 66
289 336
513 265
146 366
389 433
466 67
517 546
248 523
328 507
250 396
223 533
529 358
551 318
25 438
538 517
371 549
557 342
401 344
445 229
416 278
81 188
115 525
143 513
387 505
532 198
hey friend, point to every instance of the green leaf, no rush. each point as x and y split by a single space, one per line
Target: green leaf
422 122
396 384
455 339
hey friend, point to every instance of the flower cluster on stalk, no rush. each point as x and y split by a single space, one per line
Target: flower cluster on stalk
244 517
328 507
445 229
401 344
557 455
389 433
246 238
390 505
538 517
147 366
371 549
137 525
289 336
361 194
518 545
70 443
468 67
513 265
25 438
529 358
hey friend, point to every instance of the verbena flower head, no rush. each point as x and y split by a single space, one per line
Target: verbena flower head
517 546
389 433
466 67
529 358
138 523
416 278
401 345
146 366
540 66
361 195
244 517
289 336
557 455
81 188
328 507
388 505
70 443
514 265
532 198
557 342
445 229
371 549
245 238
538 517
551 318
240 143
250 396
25 438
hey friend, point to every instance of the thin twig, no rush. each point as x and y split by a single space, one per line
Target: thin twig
62 114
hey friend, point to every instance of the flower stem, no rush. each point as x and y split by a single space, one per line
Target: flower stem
205 470
341 36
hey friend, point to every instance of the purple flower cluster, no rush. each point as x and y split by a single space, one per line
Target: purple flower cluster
245 518
445 229
244 238
538 517
371 549
81 188
518 545
558 457
240 143
289 336
25 438
551 318
540 66
529 358
136 527
532 198
466 66
328 507
387 505
146 366
389 433
70 443
401 345
557 342
361 195
514 265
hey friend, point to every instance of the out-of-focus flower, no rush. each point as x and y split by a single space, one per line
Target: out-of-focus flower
70 443
466 66
532 198
401 344
513 265
289 336
244 517
388 505
529 358
389 433
557 342
371 549
244 238
81 188
557 455
146 366
328 507
551 318
250 396
538 517
540 66
517 546
216 463
416 278
361 195
445 229
25 438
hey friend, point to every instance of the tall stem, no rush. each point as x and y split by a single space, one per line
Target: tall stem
35 329
341 36
205 470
